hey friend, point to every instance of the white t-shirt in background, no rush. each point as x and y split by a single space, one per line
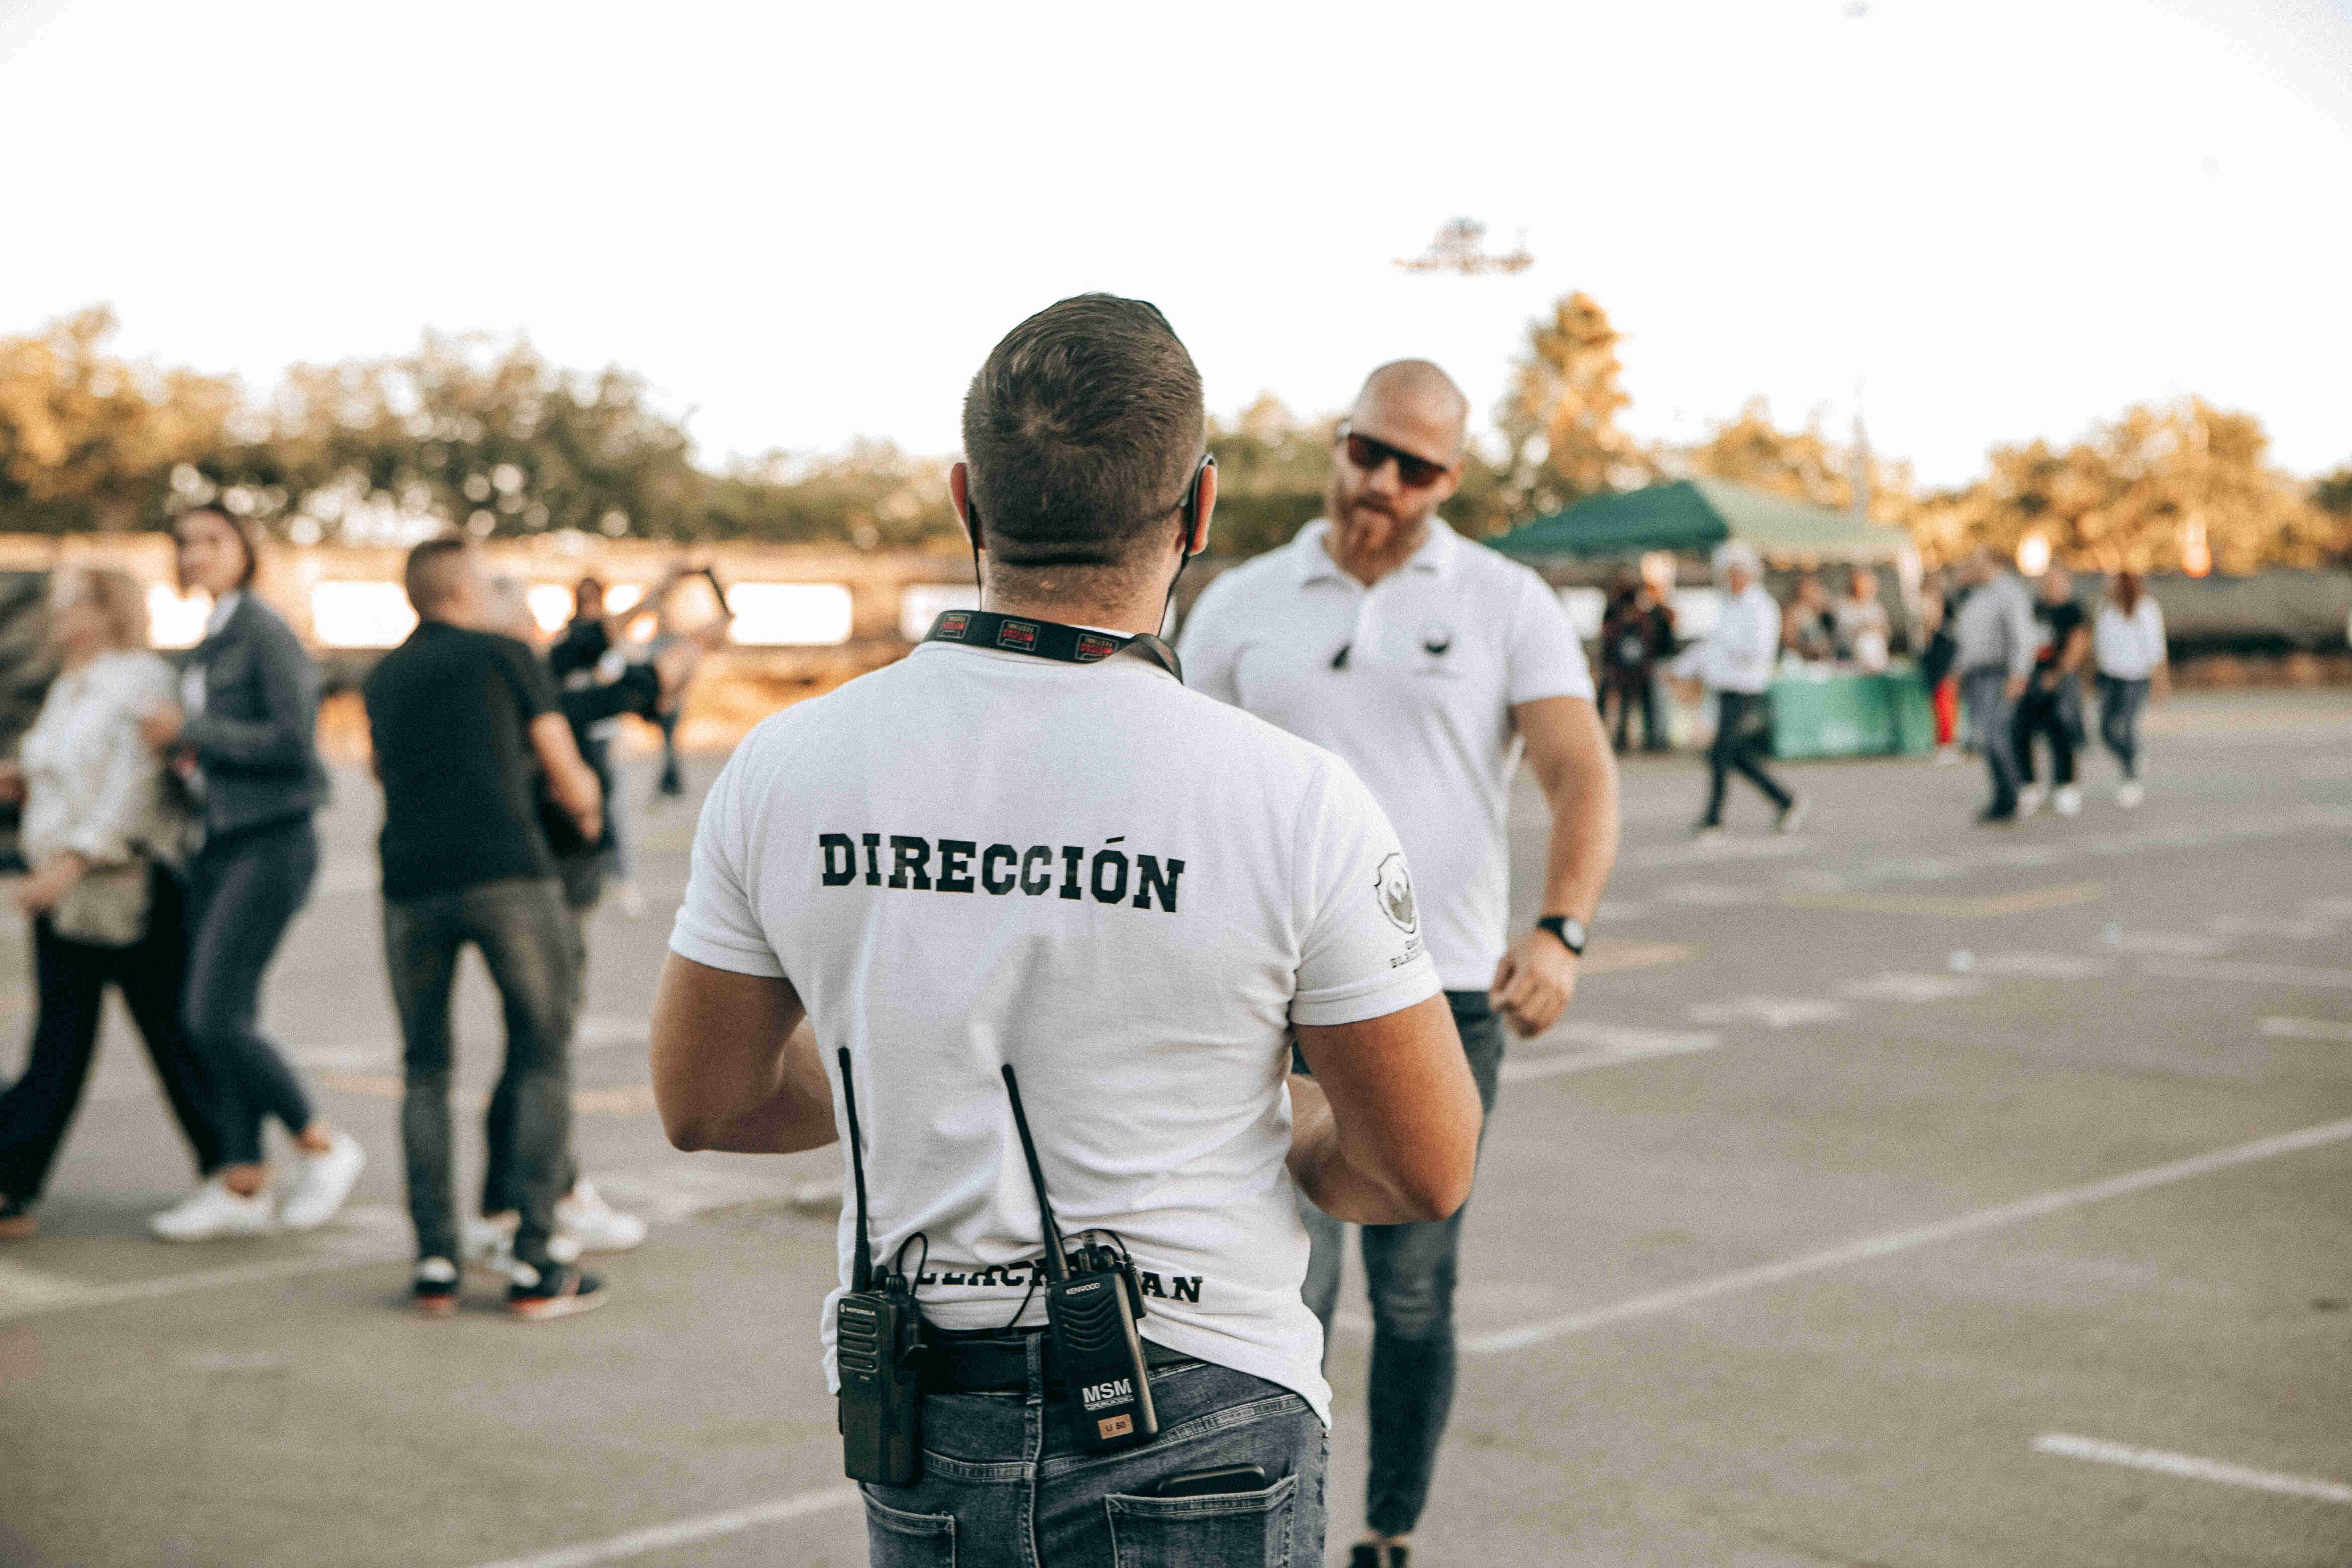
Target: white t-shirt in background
1125 889
1439 652
2128 648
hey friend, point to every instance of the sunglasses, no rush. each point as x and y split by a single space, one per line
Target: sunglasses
1366 455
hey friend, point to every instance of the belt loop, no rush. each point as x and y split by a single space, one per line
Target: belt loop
1034 1351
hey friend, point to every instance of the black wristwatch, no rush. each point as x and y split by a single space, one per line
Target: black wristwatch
1568 929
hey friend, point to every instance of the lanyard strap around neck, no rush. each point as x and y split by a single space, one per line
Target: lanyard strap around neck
1049 639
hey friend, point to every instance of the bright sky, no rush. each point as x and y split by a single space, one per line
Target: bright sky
2002 218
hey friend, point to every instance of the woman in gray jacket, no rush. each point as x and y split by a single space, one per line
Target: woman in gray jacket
243 738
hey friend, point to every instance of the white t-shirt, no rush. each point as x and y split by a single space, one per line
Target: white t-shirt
1124 889
1739 653
1439 652
2128 648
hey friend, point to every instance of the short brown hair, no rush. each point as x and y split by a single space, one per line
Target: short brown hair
1082 429
246 537
426 576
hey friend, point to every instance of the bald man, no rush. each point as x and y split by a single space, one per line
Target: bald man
1430 664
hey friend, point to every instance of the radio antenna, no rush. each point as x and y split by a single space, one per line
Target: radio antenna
861 1277
1057 1267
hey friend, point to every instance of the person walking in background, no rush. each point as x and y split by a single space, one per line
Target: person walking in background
465 723
2053 704
1427 662
1735 662
591 654
1938 613
1864 632
1637 632
2127 644
244 738
1993 644
105 845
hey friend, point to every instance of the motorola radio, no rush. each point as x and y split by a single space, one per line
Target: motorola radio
878 1347
1091 1311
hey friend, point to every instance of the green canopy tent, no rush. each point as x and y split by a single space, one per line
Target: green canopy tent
1697 515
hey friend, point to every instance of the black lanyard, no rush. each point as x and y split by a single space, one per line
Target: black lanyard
1049 639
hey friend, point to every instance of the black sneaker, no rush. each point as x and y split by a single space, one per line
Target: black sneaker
435 1291
1989 817
536 1294
1364 1554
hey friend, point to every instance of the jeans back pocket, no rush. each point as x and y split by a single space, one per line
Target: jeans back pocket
897 1538
1231 1530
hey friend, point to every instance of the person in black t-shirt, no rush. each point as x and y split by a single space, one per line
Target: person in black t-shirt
2053 704
465 723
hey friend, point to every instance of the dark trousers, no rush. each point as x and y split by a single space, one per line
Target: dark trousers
521 928
1986 692
2054 715
1743 733
244 890
1631 690
70 979
2119 704
1409 1271
501 1175
1004 1484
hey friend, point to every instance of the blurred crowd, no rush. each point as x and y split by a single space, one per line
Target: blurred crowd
165 812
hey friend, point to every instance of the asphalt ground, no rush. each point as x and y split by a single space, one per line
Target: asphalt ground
1900 1192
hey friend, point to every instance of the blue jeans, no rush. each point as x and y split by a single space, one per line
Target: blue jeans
524 934
1005 1486
1991 716
2120 705
1409 1271
243 889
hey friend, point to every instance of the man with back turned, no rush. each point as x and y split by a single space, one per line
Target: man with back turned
1028 846
1431 664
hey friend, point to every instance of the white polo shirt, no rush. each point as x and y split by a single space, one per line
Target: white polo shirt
1439 652
1122 887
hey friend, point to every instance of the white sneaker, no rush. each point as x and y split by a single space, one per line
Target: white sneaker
489 1241
212 1211
2129 793
324 1183
1792 816
2029 801
2067 800
593 1224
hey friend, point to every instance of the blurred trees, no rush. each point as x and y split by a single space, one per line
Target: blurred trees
2181 487
1803 465
88 441
1558 421
472 431
488 436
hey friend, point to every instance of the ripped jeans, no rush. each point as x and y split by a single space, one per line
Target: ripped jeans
1409 1272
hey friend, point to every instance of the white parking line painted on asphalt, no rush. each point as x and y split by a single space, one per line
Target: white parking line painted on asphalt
686 1532
2258 974
1773 1011
2191 1467
1608 1045
1680 1296
2307 1029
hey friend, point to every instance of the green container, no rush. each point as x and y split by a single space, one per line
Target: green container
1851 715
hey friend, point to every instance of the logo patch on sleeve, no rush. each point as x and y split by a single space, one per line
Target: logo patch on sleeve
1393 888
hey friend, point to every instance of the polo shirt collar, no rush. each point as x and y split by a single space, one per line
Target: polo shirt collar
1434 558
